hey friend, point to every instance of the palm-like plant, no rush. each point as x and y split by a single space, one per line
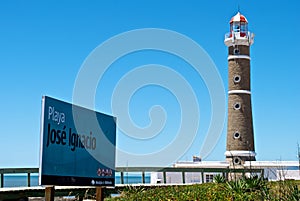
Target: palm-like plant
295 195
219 179
255 183
247 184
237 186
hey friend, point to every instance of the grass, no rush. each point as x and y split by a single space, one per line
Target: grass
242 190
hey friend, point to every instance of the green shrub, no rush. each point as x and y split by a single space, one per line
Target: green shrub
251 189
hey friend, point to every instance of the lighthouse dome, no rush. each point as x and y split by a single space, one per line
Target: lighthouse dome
238 18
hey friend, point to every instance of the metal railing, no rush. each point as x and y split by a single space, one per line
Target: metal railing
27 171
183 170
40 191
142 170
246 34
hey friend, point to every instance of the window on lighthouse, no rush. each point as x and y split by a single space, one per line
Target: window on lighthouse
244 27
236 26
239 27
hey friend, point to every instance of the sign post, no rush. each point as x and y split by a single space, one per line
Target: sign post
77 145
99 194
49 193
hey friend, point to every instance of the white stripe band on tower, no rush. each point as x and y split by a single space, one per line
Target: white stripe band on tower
239 153
239 57
239 92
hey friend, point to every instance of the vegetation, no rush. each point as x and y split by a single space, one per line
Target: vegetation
253 188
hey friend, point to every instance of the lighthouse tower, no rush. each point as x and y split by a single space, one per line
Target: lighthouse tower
240 140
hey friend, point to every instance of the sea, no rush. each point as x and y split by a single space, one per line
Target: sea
14 180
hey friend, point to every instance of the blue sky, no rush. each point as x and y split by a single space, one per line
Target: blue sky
43 45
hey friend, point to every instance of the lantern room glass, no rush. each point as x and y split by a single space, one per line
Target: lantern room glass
239 27
235 27
244 27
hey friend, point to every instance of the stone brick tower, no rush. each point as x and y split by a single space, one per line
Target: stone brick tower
240 139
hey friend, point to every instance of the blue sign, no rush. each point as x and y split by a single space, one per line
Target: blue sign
77 145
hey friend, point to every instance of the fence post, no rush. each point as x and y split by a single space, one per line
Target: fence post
183 177
143 177
122 177
202 177
1 180
165 177
28 179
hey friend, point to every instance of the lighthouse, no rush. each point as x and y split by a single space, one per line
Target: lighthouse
240 138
